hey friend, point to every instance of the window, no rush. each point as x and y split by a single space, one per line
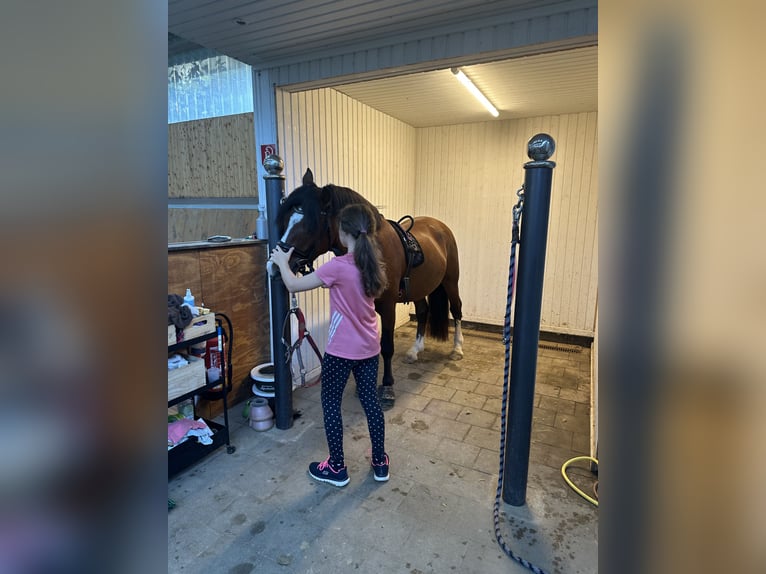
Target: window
206 84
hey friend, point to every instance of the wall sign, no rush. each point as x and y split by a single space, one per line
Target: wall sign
267 150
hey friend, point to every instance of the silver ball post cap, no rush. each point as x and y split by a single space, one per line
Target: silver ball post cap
540 147
273 165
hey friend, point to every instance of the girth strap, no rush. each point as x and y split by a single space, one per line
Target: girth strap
413 254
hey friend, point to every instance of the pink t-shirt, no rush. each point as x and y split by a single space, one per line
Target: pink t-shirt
353 332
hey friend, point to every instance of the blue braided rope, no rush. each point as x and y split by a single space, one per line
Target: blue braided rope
506 384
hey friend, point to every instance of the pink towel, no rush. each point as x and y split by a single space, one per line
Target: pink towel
178 429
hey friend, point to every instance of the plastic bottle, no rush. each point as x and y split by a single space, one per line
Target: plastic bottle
189 299
261 225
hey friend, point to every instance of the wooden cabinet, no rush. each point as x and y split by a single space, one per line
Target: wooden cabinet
230 278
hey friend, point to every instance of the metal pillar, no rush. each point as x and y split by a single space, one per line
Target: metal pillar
526 323
283 380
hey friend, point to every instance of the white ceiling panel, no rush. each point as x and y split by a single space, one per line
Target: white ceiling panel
545 84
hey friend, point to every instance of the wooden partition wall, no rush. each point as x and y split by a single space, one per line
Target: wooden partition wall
212 159
229 279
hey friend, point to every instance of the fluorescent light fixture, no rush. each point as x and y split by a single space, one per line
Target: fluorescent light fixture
475 91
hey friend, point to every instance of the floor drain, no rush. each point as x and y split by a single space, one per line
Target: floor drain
561 348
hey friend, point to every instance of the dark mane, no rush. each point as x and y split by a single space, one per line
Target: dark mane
342 196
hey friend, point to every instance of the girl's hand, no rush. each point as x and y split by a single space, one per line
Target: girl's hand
293 282
281 257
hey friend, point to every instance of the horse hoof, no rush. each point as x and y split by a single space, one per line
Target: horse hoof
409 359
387 397
455 356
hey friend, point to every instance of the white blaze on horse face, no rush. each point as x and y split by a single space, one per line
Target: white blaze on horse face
295 219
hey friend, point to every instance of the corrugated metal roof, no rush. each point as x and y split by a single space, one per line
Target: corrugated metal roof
268 30
337 34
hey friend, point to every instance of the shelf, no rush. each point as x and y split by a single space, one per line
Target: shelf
190 451
187 453
206 389
190 342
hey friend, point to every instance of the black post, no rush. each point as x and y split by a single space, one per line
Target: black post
526 323
283 379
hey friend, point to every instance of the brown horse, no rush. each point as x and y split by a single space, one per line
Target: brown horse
307 221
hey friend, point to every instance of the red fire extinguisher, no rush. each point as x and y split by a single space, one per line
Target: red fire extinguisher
214 352
215 358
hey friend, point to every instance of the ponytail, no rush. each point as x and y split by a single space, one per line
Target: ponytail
361 222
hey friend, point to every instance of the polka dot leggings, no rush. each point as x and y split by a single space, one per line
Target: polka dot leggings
335 373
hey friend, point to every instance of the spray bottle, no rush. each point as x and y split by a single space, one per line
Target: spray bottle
262 224
189 302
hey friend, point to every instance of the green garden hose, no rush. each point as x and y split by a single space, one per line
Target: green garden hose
570 483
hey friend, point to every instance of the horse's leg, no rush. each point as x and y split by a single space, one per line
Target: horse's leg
421 312
386 393
456 309
457 349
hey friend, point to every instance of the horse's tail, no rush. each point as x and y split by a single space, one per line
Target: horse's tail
438 314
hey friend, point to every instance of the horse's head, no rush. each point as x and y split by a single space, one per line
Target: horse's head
305 222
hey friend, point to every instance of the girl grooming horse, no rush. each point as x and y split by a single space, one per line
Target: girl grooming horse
354 280
308 223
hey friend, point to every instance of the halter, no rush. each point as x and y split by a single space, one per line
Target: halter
303 333
304 263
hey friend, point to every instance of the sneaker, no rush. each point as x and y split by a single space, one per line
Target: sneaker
324 472
381 470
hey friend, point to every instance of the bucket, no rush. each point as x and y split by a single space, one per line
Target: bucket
261 415
263 375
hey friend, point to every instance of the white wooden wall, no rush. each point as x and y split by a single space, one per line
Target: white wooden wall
349 144
467 175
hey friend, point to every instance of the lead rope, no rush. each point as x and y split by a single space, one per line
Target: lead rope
517 210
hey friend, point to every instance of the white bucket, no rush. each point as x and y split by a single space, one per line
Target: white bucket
263 375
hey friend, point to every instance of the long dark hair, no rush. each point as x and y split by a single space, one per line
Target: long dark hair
361 222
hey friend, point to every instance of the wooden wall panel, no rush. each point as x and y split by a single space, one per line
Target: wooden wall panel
232 281
183 273
468 176
212 157
198 224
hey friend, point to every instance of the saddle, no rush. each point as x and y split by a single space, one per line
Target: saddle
413 254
